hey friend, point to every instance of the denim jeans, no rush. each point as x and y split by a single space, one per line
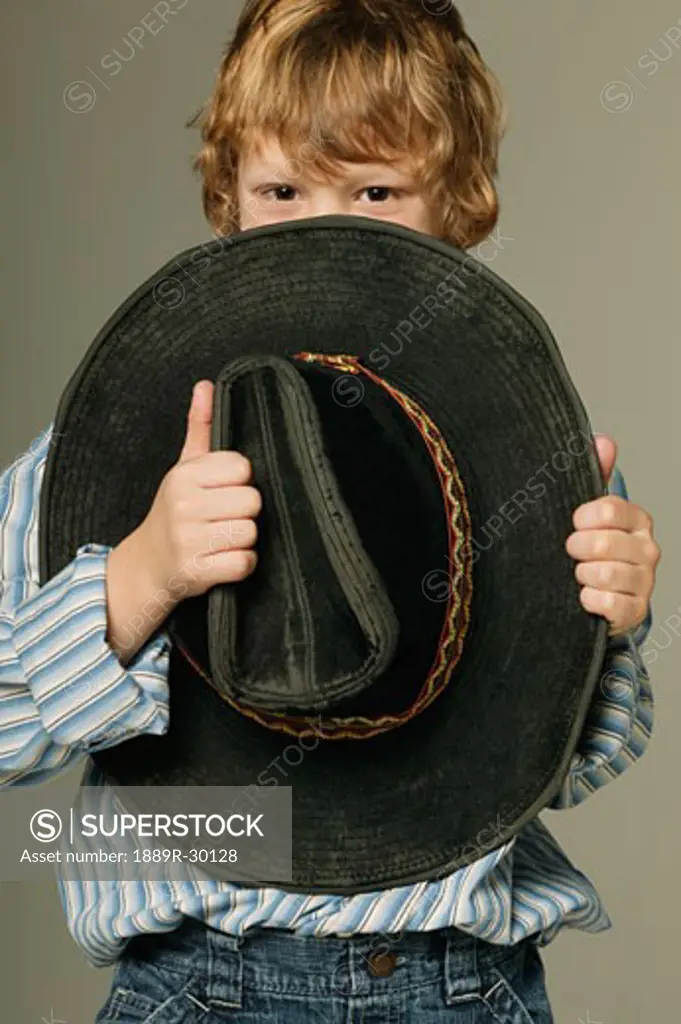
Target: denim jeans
196 975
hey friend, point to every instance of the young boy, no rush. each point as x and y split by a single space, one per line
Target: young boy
382 108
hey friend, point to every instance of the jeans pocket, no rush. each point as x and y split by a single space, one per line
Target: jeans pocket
126 1006
144 993
514 990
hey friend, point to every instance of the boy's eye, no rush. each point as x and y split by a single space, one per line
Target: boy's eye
377 193
283 192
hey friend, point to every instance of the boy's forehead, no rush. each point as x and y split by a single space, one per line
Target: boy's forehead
268 153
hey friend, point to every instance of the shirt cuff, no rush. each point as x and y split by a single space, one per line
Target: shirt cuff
619 723
83 694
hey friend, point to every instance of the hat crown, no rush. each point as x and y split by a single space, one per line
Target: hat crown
314 625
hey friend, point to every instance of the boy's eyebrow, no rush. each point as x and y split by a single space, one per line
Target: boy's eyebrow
350 171
360 170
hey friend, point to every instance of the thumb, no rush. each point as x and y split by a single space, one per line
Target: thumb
607 454
199 421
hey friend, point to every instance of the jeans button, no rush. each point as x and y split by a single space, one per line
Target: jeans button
382 965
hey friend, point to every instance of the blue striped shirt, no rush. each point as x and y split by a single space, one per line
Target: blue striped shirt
64 694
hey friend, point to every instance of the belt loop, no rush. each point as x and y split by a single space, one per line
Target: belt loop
462 982
358 975
224 970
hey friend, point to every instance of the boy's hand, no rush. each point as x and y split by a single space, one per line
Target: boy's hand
200 529
616 551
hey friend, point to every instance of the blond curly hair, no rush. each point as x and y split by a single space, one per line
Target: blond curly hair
357 80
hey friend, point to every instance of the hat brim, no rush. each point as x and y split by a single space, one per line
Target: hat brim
493 749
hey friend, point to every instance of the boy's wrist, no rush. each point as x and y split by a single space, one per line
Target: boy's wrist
138 599
152 578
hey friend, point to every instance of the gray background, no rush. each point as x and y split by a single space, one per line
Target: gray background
93 202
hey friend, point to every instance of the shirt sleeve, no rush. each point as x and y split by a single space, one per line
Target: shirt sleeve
619 723
63 691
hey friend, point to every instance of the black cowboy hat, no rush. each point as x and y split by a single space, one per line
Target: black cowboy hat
414 620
